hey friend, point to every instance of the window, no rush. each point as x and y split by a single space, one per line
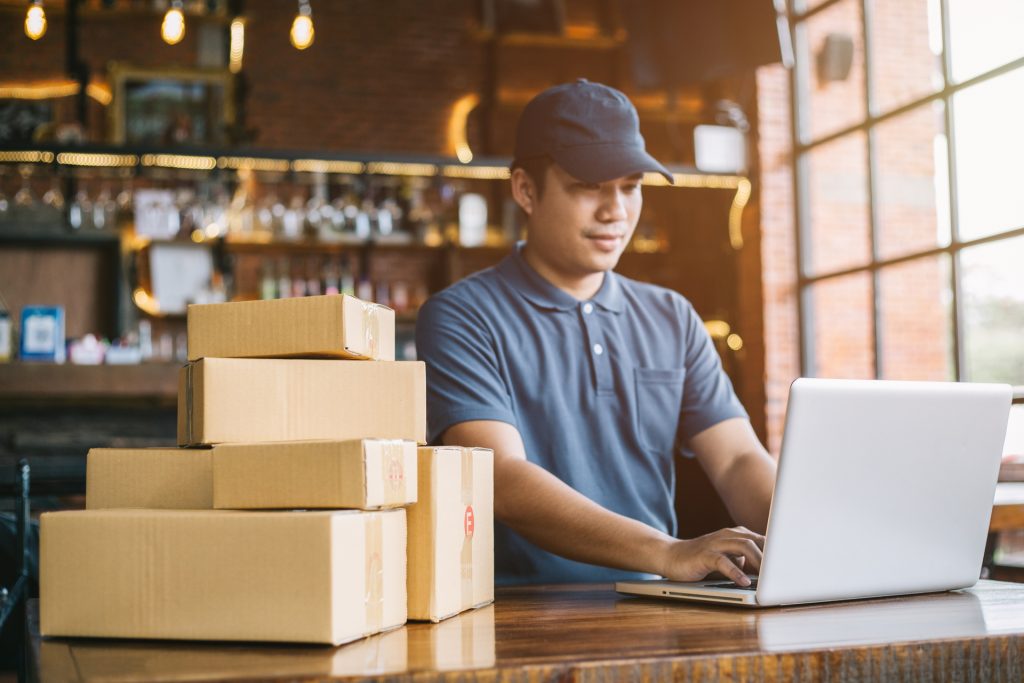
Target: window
910 210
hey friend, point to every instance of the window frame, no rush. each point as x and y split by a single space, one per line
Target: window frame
800 77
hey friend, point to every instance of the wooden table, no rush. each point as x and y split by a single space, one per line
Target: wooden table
588 632
1008 507
1007 515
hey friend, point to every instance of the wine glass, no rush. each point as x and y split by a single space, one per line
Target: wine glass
5 203
53 197
24 197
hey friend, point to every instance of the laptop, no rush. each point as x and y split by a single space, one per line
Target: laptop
883 488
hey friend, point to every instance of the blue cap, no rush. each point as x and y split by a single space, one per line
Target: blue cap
590 130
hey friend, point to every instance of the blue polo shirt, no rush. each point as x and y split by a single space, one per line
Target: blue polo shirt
604 392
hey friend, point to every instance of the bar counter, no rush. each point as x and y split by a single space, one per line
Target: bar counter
588 632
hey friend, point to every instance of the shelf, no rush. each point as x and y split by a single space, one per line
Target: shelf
210 159
152 382
596 41
48 235
305 245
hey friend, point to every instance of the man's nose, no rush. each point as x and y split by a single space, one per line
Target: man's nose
613 206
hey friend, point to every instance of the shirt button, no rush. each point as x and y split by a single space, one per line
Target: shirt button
588 308
598 349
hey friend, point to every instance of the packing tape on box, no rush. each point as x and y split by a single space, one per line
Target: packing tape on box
392 462
468 527
371 327
374 572
188 402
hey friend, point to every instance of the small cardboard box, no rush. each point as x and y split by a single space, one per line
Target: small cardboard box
451 533
330 326
223 400
316 577
364 473
156 478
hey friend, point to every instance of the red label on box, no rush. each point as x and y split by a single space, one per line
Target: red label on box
468 521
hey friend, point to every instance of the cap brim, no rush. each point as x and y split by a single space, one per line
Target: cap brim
601 163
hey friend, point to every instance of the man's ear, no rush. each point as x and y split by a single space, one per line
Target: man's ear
524 192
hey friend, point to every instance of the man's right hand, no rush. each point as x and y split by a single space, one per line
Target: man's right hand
730 552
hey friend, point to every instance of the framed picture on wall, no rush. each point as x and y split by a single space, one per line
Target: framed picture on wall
168 107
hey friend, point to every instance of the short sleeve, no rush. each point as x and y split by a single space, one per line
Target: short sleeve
708 396
464 380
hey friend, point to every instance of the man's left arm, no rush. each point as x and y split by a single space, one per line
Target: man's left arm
740 469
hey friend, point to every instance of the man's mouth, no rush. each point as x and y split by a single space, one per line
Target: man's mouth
606 241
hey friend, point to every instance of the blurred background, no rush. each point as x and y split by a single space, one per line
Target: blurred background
849 198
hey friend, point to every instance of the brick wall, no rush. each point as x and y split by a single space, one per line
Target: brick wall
379 76
914 313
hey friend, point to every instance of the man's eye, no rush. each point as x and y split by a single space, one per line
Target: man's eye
631 187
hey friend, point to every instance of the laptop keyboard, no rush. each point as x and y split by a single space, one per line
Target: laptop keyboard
729 584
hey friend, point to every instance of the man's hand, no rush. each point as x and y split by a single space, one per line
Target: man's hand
730 552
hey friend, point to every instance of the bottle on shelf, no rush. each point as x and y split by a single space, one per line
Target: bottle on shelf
268 283
299 283
364 288
399 296
313 277
284 280
330 277
347 282
383 296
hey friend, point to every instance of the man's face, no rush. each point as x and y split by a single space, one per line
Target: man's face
582 228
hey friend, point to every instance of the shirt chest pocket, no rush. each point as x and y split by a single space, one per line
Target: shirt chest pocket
659 399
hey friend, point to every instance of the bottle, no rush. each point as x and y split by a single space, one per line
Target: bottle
331 285
364 290
5 336
284 281
268 285
312 278
347 282
399 296
382 297
299 283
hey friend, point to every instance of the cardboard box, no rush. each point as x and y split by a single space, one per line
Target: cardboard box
451 533
331 326
364 473
118 661
224 400
317 577
156 478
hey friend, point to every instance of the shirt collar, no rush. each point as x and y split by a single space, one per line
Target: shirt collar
541 293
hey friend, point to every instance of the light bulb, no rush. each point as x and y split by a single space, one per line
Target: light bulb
35 22
302 31
172 30
237 46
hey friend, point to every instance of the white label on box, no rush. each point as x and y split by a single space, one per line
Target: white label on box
40 334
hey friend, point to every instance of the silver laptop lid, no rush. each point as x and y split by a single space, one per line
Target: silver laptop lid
883 488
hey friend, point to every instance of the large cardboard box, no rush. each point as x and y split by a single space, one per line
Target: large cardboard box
451 533
157 478
318 577
224 400
331 326
364 473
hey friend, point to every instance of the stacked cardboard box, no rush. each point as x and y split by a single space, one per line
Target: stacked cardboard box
284 518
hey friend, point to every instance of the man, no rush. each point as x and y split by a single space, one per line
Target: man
583 382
